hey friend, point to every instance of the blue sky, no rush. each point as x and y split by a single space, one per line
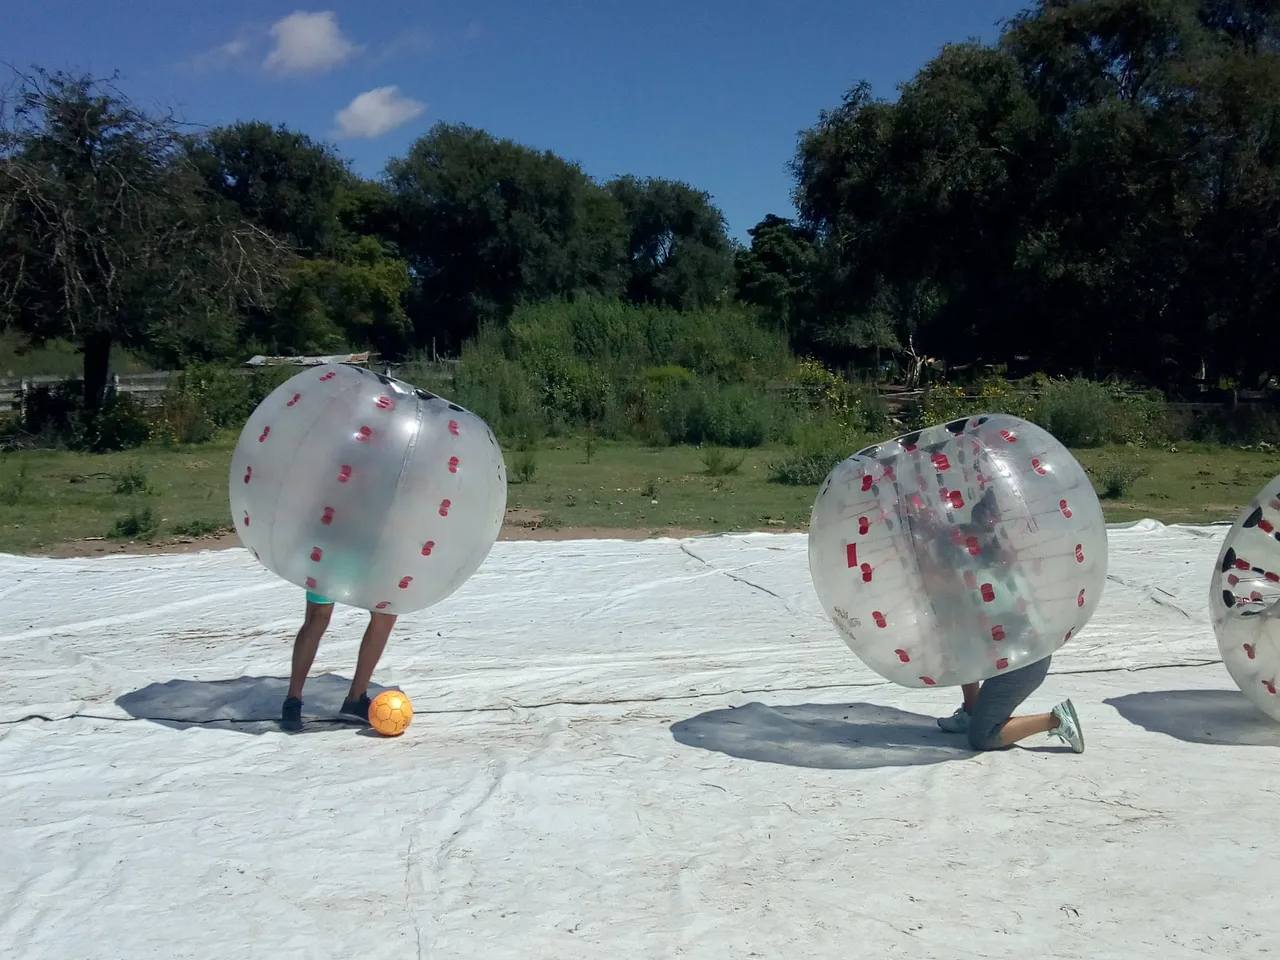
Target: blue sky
712 92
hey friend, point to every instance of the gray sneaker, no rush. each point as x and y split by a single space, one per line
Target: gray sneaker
958 722
1068 728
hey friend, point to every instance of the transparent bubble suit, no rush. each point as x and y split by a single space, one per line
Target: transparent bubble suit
958 552
366 490
1243 595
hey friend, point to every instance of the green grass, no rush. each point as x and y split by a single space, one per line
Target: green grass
51 497
57 358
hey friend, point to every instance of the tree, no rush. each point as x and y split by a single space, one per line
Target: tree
487 223
350 288
678 251
106 235
279 179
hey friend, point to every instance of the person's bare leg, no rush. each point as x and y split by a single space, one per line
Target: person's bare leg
371 647
314 623
970 692
1019 728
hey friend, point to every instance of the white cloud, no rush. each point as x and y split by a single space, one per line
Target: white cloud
374 112
308 43
406 43
220 56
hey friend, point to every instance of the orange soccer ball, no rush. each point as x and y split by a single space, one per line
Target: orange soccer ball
390 712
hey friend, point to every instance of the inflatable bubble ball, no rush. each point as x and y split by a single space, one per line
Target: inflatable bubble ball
959 552
366 490
1242 600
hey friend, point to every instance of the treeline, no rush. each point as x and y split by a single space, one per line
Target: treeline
1097 193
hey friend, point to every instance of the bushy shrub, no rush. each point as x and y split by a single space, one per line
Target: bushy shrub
1079 413
944 402
804 469
203 398
124 424
651 373
726 416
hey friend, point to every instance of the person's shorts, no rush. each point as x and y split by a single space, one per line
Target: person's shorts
998 698
317 598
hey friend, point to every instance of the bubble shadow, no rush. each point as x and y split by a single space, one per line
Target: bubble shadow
856 736
1210 717
242 704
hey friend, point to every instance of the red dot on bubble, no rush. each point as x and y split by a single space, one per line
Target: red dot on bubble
902 655
444 507
1037 466
988 592
1068 636
453 464
428 547
878 617
1270 685
327 517
382 605
1080 599
1248 649
296 398
363 434
866 573
405 581
383 403
1232 579
974 547
248 472
246 519
263 436
328 376
453 427
928 681
997 633
1066 511
1079 553
867 482
1002 663
344 474
311 583
1242 564
863 525
851 555
316 554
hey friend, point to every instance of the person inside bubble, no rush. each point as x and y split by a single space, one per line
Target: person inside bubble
986 713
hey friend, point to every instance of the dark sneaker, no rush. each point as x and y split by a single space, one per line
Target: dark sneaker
291 715
357 709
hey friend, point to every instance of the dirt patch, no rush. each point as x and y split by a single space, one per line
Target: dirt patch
519 524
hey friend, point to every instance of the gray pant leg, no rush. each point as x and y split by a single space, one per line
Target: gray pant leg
998 698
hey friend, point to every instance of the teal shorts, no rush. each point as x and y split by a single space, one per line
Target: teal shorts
317 598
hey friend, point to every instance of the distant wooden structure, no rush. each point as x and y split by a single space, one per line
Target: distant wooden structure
354 359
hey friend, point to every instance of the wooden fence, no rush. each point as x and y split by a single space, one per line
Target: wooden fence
150 388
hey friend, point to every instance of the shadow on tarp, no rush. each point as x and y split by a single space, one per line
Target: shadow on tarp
855 736
243 704
1214 717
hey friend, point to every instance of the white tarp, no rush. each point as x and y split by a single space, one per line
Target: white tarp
621 749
